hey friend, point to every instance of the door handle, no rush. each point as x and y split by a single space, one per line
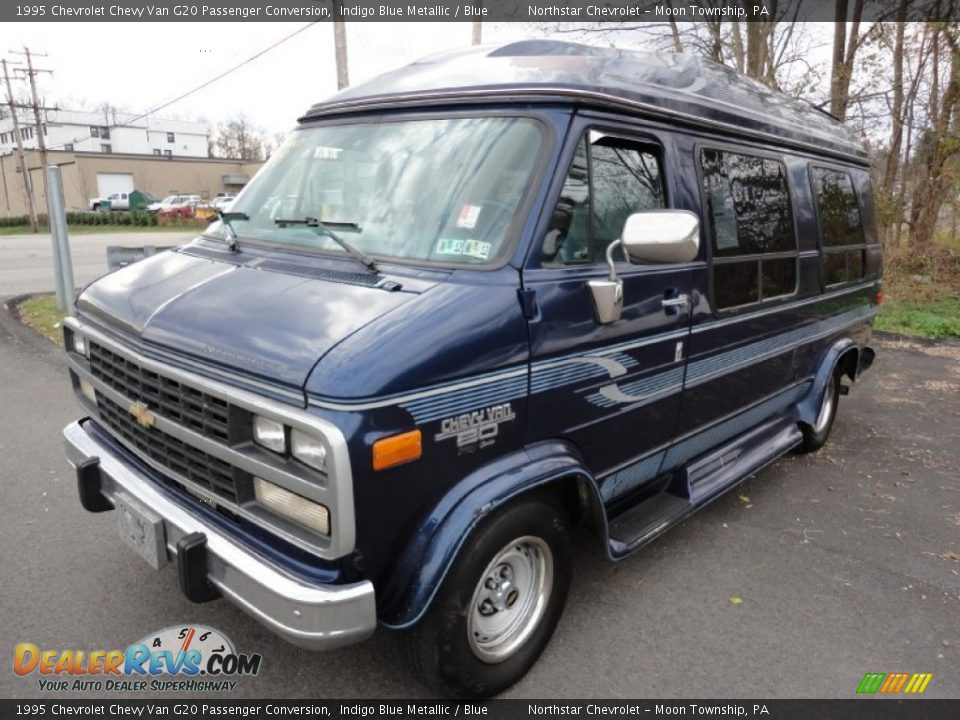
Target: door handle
681 300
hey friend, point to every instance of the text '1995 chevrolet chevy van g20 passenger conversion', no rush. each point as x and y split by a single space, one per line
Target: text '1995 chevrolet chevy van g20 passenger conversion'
465 307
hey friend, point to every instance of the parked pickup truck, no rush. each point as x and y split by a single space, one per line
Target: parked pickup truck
134 200
465 308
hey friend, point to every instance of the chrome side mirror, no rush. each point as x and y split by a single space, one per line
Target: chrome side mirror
655 236
661 236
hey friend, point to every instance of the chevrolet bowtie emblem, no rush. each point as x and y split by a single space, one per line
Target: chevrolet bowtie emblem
142 414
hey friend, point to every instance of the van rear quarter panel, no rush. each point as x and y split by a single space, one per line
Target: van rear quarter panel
766 346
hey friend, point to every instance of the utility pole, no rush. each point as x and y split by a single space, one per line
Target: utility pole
340 45
31 74
477 24
24 172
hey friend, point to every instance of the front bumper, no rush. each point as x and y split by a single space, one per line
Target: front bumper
310 615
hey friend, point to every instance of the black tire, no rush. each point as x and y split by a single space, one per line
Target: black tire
438 648
815 436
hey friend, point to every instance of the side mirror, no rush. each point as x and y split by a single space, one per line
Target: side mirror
655 236
661 236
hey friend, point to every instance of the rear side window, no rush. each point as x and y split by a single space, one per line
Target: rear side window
754 247
841 226
610 178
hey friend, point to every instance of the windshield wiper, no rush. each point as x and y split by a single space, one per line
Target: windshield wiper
324 227
225 218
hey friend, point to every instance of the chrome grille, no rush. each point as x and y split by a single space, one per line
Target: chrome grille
190 463
196 410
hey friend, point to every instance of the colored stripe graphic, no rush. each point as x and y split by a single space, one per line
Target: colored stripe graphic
894 683
871 683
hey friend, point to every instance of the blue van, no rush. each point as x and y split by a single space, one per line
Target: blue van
466 307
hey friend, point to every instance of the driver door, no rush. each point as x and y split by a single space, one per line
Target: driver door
612 389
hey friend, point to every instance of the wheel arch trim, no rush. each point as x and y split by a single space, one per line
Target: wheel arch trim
435 546
842 351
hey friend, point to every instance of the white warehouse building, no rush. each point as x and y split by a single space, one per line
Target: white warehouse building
109 132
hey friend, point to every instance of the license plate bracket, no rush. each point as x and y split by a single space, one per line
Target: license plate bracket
141 529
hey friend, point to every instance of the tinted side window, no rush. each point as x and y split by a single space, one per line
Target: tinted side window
568 239
608 181
841 227
751 227
839 213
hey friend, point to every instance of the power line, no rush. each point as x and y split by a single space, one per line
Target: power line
206 84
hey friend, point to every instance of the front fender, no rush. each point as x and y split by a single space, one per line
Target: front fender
845 351
419 572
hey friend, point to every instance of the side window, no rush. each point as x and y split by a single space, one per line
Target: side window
609 179
751 227
842 240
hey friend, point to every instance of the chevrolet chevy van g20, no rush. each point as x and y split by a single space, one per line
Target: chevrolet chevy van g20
466 307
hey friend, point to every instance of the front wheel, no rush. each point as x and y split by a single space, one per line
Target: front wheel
499 605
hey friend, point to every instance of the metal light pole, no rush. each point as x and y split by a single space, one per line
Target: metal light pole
62 264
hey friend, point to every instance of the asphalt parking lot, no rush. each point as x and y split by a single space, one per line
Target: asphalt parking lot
816 571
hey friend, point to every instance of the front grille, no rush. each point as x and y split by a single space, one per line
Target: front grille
196 410
205 470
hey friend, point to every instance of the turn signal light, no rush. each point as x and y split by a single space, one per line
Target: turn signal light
396 450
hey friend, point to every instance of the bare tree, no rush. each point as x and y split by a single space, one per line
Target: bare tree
937 153
238 138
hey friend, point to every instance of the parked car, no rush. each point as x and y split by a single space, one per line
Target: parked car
602 291
172 201
222 202
188 209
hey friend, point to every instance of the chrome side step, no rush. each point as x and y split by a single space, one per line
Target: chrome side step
702 480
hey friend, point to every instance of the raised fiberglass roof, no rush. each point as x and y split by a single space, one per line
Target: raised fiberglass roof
677 86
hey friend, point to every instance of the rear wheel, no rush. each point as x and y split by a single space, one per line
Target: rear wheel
815 436
499 605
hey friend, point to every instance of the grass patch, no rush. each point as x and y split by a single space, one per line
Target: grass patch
922 293
97 229
42 314
938 319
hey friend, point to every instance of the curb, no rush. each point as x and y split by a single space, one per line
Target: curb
927 342
10 324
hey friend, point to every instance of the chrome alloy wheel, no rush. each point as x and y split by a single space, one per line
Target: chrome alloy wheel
826 407
510 599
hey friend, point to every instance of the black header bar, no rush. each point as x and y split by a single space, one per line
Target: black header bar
580 11
197 706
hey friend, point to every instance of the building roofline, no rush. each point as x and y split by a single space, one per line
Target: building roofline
143 156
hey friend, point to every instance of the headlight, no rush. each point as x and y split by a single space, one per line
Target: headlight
269 433
80 344
308 450
311 515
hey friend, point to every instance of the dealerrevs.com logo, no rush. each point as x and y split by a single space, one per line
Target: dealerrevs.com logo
176 659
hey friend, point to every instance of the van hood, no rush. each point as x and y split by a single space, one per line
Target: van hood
256 321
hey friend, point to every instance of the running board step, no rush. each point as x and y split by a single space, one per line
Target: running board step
710 475
642 523
706 478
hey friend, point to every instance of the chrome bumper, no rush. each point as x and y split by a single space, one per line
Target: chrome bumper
312 616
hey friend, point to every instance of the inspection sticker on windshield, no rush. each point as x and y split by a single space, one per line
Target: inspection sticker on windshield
469 214
471 248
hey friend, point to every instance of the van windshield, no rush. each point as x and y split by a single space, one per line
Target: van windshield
435 190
